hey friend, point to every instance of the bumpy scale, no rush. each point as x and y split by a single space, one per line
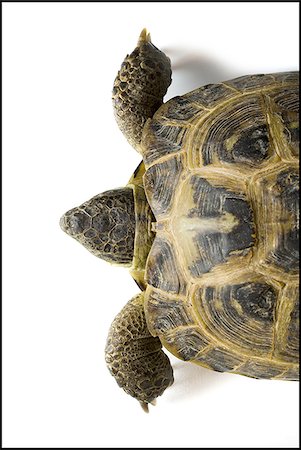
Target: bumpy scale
134 356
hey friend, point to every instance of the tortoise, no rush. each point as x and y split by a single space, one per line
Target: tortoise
207 225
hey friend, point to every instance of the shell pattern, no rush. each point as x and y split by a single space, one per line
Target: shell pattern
222 181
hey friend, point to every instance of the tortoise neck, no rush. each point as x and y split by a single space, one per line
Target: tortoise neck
144 218
144 236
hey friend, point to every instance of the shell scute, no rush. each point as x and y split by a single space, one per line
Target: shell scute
261 369
249 82
163 268
240 315
160 183
238 135
210 95
220 359
186 343
179 109
166 312
287 77
162 139
277 206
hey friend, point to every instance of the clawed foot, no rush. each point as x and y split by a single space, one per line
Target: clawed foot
135 358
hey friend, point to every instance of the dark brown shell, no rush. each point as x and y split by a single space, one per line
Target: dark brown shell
222 180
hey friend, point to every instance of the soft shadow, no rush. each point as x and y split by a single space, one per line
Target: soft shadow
191 380
192 69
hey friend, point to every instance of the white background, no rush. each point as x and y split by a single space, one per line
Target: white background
61 146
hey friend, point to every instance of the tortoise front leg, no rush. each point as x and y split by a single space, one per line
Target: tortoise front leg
134 357
139 88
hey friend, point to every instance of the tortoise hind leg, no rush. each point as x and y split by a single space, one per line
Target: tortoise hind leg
134 357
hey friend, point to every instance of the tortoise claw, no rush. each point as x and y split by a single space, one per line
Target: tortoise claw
144 37
144 406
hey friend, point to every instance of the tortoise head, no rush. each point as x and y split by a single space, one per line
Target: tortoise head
105 225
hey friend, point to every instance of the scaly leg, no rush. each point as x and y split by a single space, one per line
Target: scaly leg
139 88
134 357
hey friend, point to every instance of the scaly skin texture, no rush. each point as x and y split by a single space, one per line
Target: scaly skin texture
134 357
105 225
139 88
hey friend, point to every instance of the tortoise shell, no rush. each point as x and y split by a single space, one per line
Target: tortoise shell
222 181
